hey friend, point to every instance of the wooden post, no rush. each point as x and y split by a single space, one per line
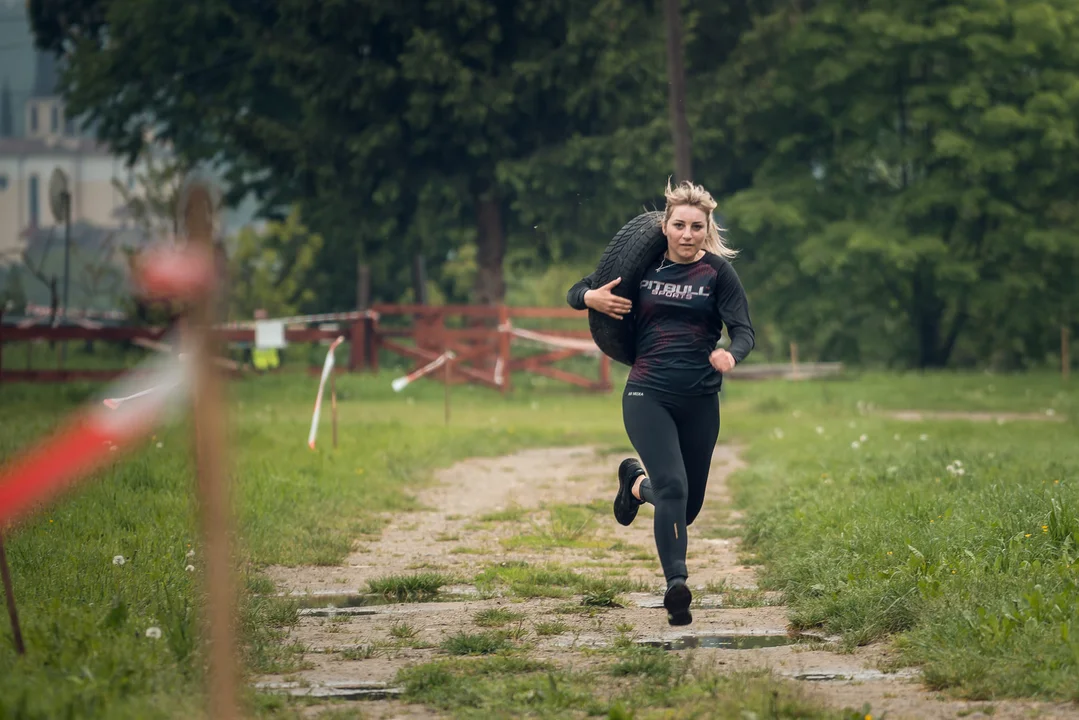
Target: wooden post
372 345
357 355
794 360
210 425
333 405
446 378
1065 355
604 372
504 340
9 593
363 302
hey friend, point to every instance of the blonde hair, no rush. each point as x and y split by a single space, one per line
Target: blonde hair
686 193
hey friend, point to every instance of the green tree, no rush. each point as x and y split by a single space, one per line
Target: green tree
400 127
913 189
268 269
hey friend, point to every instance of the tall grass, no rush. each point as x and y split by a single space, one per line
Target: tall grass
85 618
958 538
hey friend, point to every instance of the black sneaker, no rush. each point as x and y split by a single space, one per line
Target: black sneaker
677 600
625 505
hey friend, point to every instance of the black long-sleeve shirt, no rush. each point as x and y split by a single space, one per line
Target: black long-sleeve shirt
680 311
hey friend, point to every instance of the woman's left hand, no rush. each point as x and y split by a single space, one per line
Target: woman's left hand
722 360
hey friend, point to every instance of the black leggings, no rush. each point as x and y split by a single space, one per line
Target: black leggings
675 436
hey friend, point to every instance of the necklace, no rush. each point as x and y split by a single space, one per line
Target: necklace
670 263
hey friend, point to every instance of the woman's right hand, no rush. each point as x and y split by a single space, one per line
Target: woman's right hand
603 300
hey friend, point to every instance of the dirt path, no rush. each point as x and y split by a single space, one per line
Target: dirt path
509 511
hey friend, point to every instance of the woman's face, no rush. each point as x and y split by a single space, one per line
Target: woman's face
686 232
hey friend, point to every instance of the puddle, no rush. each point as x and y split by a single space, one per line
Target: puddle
343 690
855 676
727 642
340 600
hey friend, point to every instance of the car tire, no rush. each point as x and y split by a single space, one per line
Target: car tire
628 255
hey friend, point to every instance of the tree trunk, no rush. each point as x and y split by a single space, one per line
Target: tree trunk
490 289
927 321
676 95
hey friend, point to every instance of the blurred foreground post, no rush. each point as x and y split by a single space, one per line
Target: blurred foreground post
794 360
209 416
9 593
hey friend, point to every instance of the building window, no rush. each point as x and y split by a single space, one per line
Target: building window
33 118
34 191
54 119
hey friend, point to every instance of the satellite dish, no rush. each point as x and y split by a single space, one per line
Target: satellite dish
59 197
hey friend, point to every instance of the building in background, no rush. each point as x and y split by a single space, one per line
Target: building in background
51 141
36 137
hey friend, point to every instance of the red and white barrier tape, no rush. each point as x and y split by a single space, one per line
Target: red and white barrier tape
555 341
402 382
45 311
300 319
129 411
327 368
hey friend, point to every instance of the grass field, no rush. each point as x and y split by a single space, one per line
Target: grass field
971 569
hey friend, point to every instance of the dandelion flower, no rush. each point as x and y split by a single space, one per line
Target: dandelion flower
820 430
160 445
190 568
118 560
190 554
923 437
855 445
864 437
1027 535
153 633
778 433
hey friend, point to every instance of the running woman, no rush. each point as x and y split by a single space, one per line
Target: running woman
670 406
